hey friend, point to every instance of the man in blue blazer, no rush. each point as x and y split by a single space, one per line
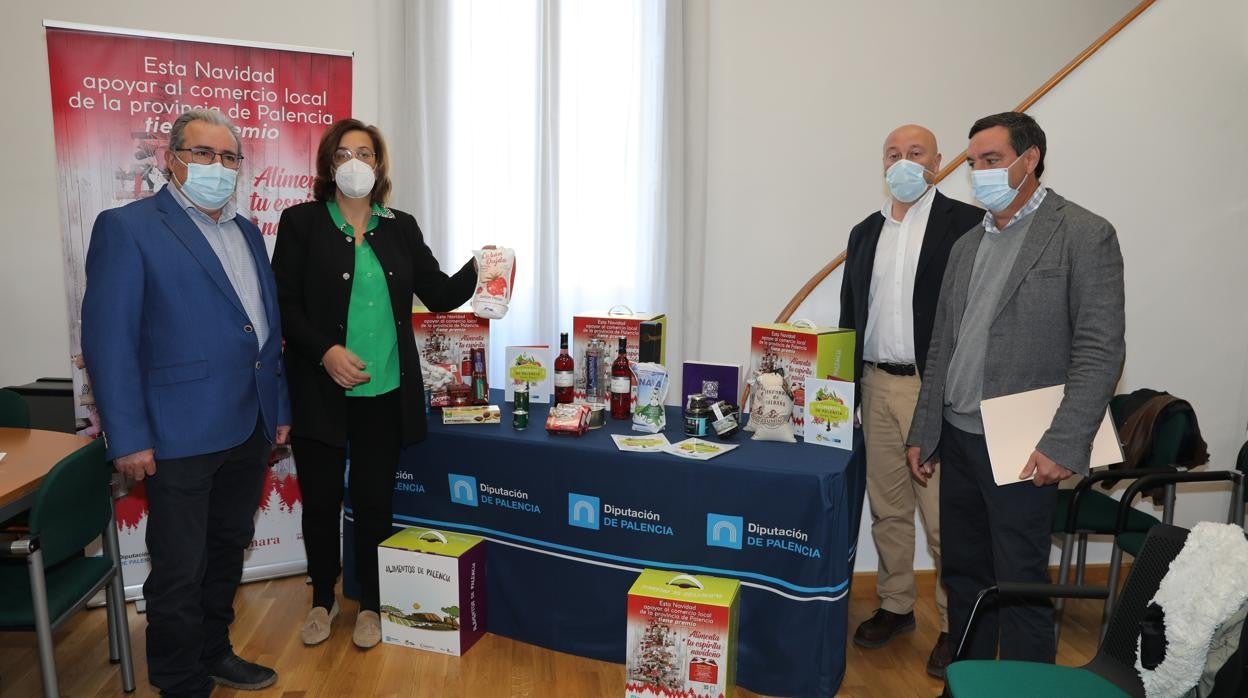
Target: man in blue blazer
182 337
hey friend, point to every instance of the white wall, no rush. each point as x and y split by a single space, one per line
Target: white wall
34 325
801 96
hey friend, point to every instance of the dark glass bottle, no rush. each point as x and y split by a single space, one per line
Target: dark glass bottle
480 384
564 370
622 384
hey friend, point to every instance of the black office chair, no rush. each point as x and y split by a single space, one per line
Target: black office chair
1112 671
1241 464
1086 510
1132 542
14 412
46 578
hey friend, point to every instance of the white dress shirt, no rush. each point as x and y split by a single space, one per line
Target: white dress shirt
240 266
890 302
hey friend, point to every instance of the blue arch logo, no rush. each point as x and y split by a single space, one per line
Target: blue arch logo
583 510
463 489
724 531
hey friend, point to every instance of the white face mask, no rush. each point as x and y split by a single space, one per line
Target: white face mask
906 180
208 186
992 187
355 179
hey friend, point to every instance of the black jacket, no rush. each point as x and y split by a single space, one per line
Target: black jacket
314 264
948 220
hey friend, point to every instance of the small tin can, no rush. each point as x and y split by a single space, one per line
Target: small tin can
597 414
520 408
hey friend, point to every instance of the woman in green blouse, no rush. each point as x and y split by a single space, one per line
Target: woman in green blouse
347 267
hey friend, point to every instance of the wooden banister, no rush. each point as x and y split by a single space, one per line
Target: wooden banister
957 161
1060 75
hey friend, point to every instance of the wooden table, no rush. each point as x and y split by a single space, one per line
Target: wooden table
31 453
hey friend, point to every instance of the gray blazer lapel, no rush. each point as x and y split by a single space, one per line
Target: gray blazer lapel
962 282
1045 223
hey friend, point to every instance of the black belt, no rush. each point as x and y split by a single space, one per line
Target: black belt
896 369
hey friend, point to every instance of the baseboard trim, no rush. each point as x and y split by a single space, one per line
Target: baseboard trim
925 580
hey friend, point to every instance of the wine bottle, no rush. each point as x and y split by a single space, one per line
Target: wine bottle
622 384
564 385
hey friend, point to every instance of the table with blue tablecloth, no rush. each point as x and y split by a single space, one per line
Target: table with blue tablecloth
570 521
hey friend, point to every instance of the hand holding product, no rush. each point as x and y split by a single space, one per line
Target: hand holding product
496 271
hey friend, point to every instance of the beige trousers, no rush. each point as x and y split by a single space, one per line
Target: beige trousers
887 407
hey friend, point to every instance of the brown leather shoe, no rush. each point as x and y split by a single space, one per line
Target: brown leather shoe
941 656
877 630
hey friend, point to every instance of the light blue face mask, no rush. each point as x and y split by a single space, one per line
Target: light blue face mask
209 186
905 180
992 187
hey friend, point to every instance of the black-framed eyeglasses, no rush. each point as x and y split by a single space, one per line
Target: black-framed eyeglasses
364 155
206 156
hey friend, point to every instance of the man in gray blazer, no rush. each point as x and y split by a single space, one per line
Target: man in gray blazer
1032 298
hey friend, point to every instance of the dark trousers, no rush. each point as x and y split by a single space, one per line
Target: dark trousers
992 533
201 518
374 436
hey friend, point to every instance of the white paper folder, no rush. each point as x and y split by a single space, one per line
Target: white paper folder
1014 424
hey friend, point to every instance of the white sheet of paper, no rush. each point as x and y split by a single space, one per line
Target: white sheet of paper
698 449
1014 424
645 443
2 455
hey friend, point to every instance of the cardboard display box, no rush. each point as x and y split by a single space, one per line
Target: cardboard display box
432 590
682 636
443 340
646 334
803 351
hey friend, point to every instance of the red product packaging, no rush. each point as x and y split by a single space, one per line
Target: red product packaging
568 419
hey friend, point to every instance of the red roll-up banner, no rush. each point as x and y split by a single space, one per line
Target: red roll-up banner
115 96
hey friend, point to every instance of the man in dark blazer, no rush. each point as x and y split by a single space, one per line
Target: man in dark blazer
182 335
1032 298
893 268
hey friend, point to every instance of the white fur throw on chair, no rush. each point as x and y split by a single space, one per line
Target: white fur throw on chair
1207 583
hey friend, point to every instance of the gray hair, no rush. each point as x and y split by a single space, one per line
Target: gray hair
177 134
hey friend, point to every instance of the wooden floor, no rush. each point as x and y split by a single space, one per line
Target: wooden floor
266 631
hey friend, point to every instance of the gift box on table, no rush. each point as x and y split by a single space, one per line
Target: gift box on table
682 636
802 350
645 332
432 590
443 340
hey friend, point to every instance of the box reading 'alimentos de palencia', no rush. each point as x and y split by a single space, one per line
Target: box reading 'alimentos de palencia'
432 590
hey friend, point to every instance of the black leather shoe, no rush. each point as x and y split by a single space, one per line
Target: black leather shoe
941 656
236 672
877 630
